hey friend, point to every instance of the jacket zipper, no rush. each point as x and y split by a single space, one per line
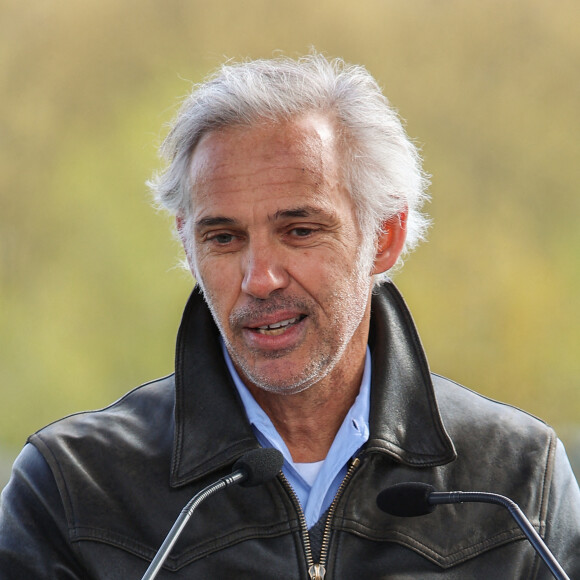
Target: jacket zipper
318 571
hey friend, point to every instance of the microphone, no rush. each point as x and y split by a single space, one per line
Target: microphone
253 468
418 499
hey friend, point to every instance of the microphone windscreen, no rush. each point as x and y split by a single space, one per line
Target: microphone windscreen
259 465
406 499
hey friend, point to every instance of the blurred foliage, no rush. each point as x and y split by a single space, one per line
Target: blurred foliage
90 294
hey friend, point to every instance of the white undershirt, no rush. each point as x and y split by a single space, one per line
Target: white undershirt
309 471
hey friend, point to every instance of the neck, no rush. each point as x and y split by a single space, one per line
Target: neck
309 421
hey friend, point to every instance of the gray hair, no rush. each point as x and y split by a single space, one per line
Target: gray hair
382 167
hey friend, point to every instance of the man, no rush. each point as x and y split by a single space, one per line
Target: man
295 191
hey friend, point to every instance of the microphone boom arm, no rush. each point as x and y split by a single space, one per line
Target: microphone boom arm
253 468
183 518
447 497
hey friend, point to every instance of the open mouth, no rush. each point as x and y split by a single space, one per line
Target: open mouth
279 327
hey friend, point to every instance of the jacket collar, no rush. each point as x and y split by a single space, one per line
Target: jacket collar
211 429
404 420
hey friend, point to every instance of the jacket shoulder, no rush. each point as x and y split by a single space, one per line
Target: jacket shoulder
461 407
133 412
499 447
134 431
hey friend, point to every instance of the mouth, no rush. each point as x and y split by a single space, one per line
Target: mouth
277 328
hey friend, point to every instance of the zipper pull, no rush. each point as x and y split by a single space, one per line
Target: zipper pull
317 572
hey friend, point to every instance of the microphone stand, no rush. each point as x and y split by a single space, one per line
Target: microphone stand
183 518
446 497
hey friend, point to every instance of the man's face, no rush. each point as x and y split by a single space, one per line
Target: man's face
275 247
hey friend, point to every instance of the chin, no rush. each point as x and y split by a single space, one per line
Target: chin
291 385
284 389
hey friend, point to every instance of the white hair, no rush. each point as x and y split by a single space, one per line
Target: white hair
382 167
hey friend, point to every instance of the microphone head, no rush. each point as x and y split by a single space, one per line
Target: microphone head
259 465
406 500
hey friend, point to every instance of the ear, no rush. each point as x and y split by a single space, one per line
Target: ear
390 243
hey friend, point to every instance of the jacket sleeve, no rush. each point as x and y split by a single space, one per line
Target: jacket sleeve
33 529
562 533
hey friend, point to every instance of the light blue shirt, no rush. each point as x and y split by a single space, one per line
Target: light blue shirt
353 433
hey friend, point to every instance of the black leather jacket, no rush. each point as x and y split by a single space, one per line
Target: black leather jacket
93 495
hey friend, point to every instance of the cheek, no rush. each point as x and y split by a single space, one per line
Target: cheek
331 277
215 273
222 286
219 305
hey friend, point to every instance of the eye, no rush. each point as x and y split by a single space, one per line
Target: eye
221 238
301 232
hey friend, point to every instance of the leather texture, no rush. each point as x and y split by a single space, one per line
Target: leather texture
93 495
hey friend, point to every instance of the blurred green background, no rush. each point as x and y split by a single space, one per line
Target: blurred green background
90 290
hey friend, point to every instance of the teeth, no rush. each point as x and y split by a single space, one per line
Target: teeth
280 324
277 327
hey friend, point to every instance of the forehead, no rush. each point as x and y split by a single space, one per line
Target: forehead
304 149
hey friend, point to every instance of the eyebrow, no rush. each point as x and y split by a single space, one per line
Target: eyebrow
215 221
299 212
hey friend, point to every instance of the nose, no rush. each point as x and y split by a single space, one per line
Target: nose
263 271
